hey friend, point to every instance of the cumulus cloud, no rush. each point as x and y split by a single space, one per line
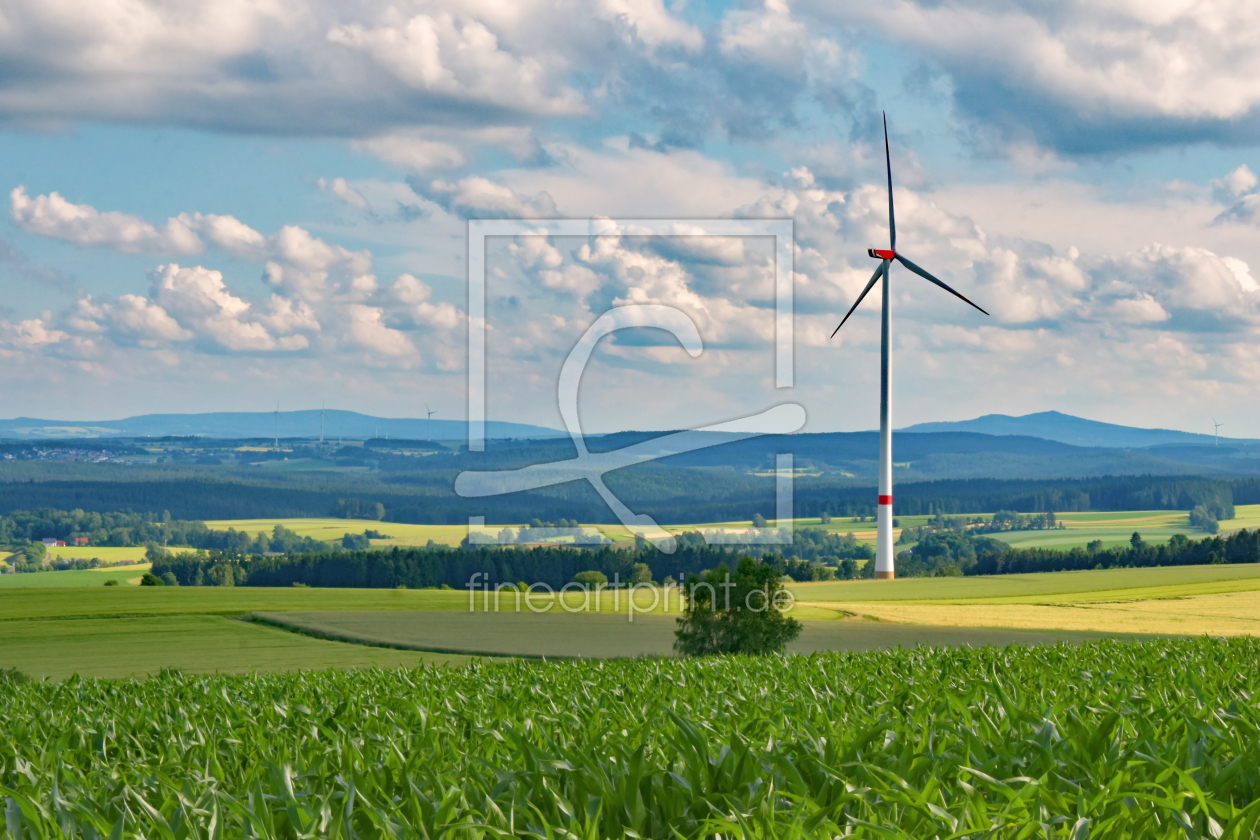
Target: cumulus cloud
476 197
461 59
1238 189
294 66
53 216
1086 77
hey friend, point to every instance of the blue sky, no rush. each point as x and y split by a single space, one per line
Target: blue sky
216 209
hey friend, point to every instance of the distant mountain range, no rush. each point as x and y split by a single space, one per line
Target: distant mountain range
259 424
1028 435
1052 425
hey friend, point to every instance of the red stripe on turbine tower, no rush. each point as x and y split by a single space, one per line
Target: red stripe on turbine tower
885 500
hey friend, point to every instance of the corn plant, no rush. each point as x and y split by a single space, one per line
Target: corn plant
1101 740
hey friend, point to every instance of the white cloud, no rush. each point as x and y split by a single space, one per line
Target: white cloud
339 188
366 329
1085 76
32 333
414 153
53 216
1242 180
143 320
480 198
461 58
199 300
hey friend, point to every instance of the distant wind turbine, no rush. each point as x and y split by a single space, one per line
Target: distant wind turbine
429 428
1218 431
884 545
277 424
321 422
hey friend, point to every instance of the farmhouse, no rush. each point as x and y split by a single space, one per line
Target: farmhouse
53 542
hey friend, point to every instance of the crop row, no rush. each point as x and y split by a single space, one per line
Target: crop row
1103 740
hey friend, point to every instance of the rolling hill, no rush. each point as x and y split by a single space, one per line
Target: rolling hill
254 424
1053 425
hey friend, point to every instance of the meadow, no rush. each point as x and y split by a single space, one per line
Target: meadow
125 575
119 631
1104 739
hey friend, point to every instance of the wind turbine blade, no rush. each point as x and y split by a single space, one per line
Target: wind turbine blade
874 277
927 276
892 221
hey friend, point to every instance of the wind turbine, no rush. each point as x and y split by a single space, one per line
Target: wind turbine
884 545
429 427
321 423
1218 431
277 424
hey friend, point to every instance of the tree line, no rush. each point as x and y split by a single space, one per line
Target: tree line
956 554
436 566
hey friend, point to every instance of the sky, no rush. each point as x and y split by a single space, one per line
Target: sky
215 207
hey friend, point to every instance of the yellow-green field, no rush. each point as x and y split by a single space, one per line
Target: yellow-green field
331 529
1113 528
104 553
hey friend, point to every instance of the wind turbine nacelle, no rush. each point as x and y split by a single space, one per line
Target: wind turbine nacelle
876 253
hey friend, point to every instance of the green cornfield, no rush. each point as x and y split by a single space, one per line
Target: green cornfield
1099 740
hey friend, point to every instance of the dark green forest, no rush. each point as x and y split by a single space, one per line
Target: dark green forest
671 496
950 553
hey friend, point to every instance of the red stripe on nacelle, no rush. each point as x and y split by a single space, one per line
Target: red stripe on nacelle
885 500
884 255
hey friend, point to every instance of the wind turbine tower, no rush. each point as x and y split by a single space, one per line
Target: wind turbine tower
321 423
429 419
1218 431
884 568
277 424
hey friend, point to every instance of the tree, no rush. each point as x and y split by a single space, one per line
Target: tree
591 578
1136 540
355 542
151 580
640 574
168 578
758 521
739 613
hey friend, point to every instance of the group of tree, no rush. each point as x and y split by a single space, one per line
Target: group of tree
24 531
954 553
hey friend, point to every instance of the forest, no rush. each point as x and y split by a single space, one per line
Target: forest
669 495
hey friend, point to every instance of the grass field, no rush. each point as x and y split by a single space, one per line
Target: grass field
125 624
559 634
75 577
125 647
